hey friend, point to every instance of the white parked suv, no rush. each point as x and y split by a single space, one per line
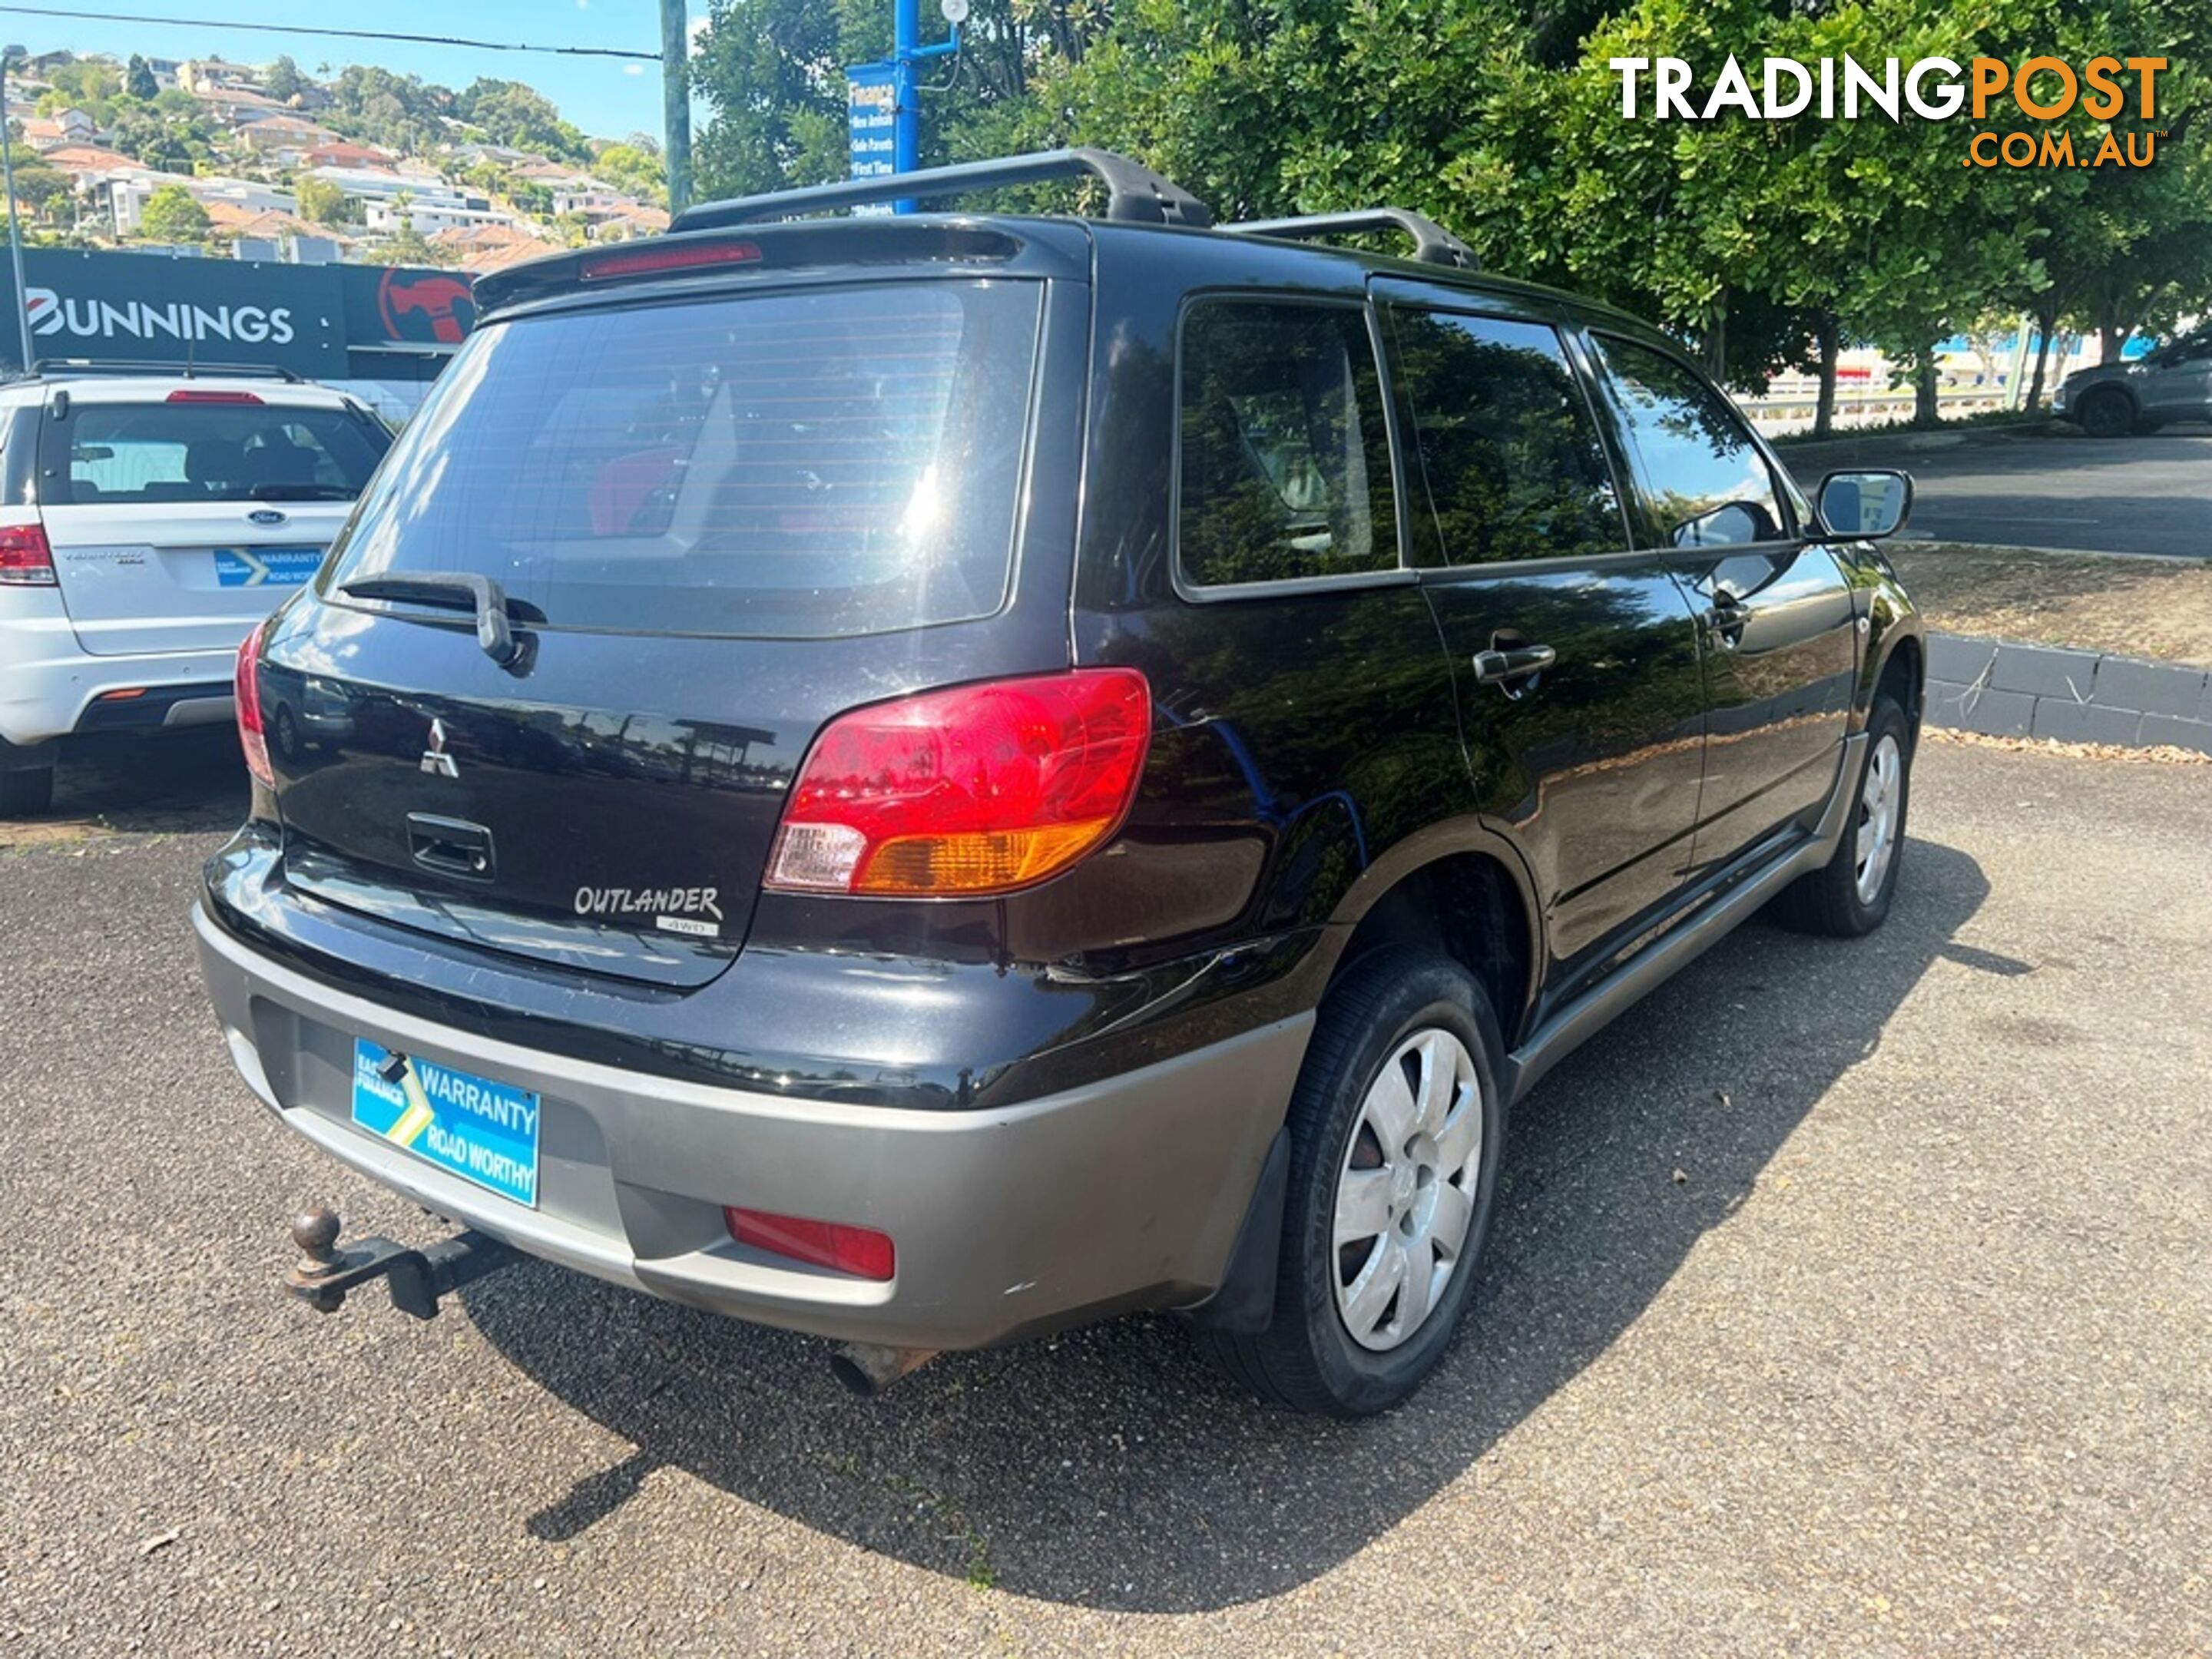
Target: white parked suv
148 519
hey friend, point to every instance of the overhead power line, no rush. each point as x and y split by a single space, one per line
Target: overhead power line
347 34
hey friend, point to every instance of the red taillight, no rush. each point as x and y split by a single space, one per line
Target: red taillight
26 561
600 266
247 685
186 397
861 1251
979 789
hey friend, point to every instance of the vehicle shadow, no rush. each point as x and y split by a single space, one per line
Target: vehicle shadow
193 780
175 783
1113 1468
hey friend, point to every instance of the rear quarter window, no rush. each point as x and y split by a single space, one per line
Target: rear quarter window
796 464
1285 470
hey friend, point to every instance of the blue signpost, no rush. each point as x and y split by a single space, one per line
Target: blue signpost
883 99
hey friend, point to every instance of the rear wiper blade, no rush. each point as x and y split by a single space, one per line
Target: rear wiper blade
455 591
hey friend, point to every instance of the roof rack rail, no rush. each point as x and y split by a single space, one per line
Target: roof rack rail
1134 192
1433 244
47 366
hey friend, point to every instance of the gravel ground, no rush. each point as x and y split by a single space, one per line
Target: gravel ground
1844 1299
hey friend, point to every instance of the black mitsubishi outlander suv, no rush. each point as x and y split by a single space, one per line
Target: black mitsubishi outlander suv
929 778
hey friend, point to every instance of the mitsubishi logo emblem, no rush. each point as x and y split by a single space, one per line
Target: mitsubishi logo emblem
435 760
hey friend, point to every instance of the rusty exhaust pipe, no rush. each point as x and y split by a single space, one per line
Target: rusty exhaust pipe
867 1370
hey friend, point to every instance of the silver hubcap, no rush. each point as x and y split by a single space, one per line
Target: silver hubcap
1879 797
1406 1193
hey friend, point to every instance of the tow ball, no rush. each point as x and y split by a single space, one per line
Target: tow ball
417 1279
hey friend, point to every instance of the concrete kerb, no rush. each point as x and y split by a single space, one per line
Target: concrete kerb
2004 687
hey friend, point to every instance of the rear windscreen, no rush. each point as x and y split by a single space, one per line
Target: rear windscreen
126 453
794 465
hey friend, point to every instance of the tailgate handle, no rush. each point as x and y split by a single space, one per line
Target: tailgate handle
451 846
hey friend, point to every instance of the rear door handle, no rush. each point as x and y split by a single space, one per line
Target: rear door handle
1501 667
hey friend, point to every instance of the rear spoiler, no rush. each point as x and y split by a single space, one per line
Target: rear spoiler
699 255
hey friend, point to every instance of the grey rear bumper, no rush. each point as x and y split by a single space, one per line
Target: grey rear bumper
1124 1194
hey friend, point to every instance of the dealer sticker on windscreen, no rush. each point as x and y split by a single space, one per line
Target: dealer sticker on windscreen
482 1131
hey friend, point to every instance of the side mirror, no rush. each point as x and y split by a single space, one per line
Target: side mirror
1865 506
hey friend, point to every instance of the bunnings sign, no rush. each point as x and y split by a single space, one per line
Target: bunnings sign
321 322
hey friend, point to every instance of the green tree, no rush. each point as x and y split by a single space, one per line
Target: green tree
172 215
168 142
41 187
401 112
283 81
510 112
322 202
87 82
635 170
1767 243
138 79
570 230
409 246
773 73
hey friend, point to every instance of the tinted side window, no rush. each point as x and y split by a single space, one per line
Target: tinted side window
1285 458
1709 486
1504 439
2189 348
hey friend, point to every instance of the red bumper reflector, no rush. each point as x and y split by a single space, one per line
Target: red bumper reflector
861 1251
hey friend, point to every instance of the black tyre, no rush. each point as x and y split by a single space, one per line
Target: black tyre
1850 893
1395 1131
24 793
2106 415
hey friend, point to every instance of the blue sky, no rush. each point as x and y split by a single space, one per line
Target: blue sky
594 93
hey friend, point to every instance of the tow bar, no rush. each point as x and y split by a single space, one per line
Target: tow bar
417 1279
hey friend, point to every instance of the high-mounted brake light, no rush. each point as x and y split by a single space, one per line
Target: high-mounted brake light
247 689
25 560
600 266
975 790
861 1251
184 395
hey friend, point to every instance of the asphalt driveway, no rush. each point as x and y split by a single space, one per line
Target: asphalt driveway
1846 1299
2044 488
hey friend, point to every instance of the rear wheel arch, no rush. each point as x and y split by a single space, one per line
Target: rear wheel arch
1470 905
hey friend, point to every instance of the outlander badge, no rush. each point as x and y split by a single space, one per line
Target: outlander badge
435 760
